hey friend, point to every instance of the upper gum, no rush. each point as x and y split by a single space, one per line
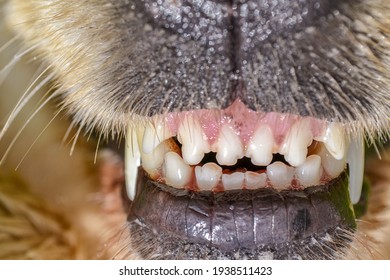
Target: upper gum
243 120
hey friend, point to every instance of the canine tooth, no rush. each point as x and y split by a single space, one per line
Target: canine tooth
294 147
229 147
177 173
310 172
233 181
331 166
208 176
280 175
194 143
356 168
132 162
255 180
155 133
334 140
260 146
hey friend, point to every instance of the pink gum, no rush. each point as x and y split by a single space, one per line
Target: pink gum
243 120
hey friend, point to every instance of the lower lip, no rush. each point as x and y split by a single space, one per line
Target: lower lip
249 221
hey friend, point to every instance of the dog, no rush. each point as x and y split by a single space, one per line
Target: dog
197 130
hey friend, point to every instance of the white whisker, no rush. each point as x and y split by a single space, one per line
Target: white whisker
26 97
9 43
377 150
8 67
75 140
97 148
36 139
67 133
22 128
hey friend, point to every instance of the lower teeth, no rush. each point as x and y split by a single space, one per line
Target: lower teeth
318 168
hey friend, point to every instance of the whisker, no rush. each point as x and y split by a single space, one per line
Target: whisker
9 43
8 67
67 133
76 137
375 144
36 139
97 148
23 127
26 97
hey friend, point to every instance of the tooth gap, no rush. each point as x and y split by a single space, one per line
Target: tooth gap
314 148
243 164
279 157
177 142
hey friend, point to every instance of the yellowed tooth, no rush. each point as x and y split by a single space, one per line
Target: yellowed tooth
194 142
260 146
294 147
334 140
176 172
228 147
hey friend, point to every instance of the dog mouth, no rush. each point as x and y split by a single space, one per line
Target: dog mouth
240 183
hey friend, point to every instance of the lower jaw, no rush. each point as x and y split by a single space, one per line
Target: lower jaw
315 223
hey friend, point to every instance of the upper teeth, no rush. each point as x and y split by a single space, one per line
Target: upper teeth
334 140
295 144
356 167
229 147
195 144
132 162
181 168
154 134
260 146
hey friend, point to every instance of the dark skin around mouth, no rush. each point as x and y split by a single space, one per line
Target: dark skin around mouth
243 224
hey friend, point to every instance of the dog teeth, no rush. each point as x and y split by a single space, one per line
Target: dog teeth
208 176
194 142
132 162
310 172
259 148
334 140
255 180
181 166
294 147
229 147
153 161
331 166
233 181
280 175
356 168
155 133
176 172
